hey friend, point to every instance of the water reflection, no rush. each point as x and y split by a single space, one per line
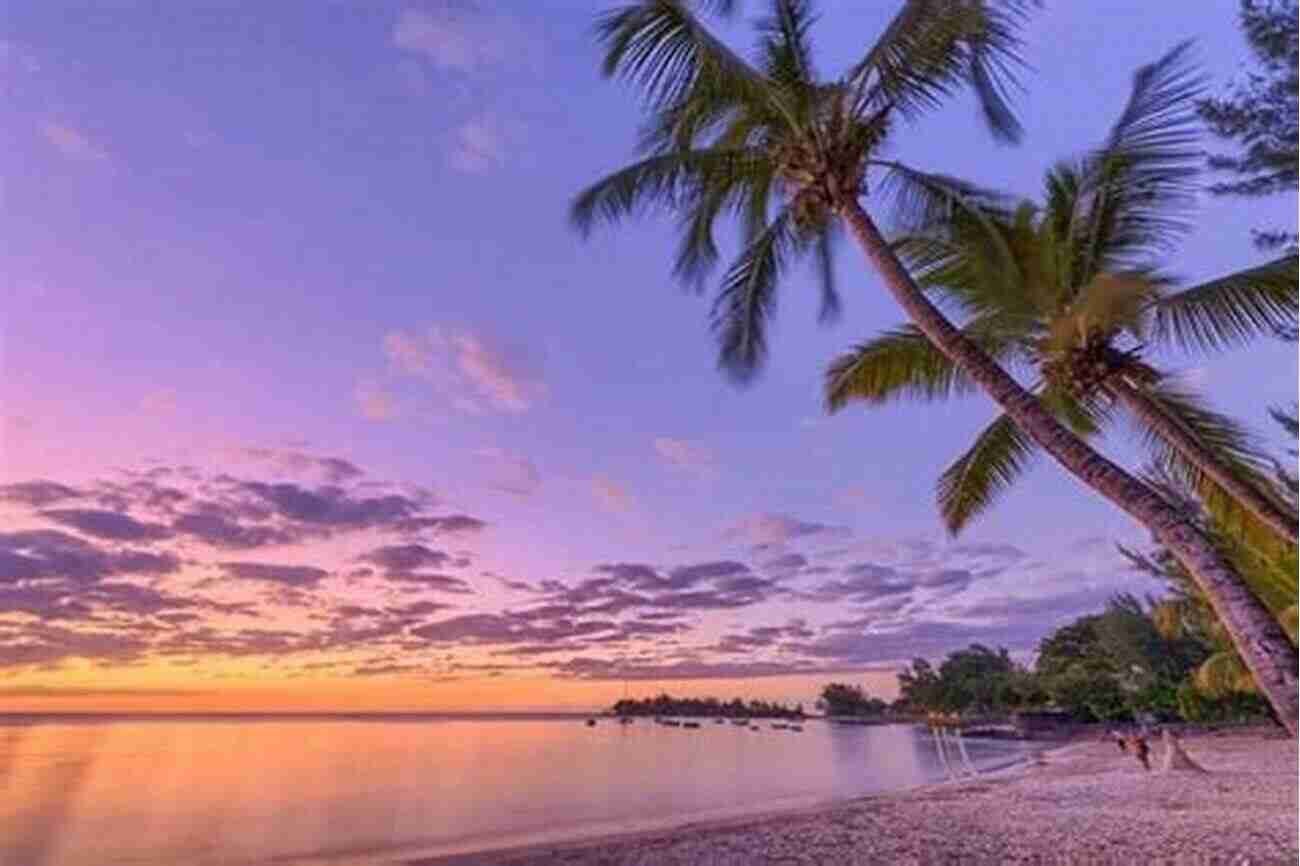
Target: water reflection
240 791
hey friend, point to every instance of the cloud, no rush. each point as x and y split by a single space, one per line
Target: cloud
456 37
330 507
223 530
333 470
37 494
510 472
471 371
611 495
478 145
374 403
686 456
109 525
289 575
406 557
781 529
450 524
72 143
47 553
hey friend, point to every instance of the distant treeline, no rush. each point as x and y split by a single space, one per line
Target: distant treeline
667 705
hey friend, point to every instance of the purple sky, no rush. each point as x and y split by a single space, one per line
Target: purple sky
242 238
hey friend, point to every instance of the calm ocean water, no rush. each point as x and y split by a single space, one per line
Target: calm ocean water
320 790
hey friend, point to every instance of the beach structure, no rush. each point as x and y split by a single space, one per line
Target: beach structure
1175 758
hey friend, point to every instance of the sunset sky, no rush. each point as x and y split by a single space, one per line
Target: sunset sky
310 398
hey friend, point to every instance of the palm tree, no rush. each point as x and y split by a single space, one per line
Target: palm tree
791 155
1185 612
1070 290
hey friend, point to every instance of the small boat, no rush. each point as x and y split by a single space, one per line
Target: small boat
779 726
798 729
690 724
672 723
591 723
741 722
753 727
719 721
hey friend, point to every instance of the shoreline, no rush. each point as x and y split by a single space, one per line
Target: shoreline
1074 801
719 820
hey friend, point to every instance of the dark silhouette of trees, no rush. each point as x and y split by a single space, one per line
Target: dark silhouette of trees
667 705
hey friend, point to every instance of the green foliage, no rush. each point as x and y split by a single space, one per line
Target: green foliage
975 680
1072 290
1112 665
840 699
1196 706
764 141
1259 112
667 705
1089 695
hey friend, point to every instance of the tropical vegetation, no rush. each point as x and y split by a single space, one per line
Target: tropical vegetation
1079 306
736 708
790 156
843 700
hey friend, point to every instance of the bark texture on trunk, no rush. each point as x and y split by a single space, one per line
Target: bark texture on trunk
1246 494
1259 638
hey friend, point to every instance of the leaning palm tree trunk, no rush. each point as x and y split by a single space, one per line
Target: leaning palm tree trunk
1195 452
1260 639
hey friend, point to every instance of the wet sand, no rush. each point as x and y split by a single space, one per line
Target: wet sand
1082 803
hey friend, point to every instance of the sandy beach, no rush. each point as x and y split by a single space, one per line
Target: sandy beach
1081 803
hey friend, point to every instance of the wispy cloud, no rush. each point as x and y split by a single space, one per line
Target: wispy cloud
374 403
774 530
612 495
686 456
72 143
478 145
454 36
510 472
472 371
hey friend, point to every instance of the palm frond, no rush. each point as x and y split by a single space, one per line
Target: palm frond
783 44
663 47
1229 311
1223 673
1138 187
669 181
1217 432
1085 417
934 48
899 364
976 479
747 298
830 307
919 202
1236 453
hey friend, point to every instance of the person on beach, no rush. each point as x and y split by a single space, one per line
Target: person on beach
1119 741
1142 750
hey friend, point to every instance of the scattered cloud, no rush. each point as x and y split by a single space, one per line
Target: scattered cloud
471 371
375 403
72 143
289 575
478 145
510 472
455 36
611 495
781 529
687 456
